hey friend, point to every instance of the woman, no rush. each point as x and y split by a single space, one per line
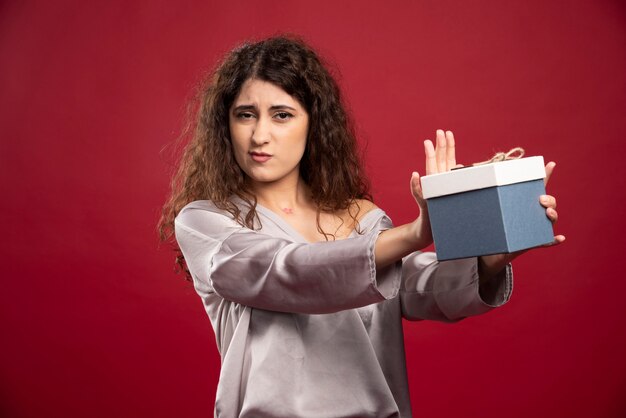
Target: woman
304 279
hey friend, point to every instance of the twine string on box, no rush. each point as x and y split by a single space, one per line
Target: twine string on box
512 154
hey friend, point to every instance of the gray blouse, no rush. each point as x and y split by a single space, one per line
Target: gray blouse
314 329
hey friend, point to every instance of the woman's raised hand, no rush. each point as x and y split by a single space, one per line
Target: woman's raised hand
395 243
439 158
443 157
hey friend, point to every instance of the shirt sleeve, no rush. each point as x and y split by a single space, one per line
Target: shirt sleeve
446 291
262 271
449 290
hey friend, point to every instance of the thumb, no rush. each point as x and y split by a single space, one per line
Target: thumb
416 189
549 169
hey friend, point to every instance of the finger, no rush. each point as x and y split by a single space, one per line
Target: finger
549 169
552 215
450 151
547 201
558 239
441 151
431 161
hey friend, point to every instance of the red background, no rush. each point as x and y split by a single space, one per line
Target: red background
95 323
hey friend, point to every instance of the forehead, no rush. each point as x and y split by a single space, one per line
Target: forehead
260 92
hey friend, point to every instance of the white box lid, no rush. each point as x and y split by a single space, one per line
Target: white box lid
483 176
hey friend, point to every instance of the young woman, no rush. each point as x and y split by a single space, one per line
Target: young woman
304 279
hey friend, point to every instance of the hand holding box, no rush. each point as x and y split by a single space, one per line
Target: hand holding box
488 209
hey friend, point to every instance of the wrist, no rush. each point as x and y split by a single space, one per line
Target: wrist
490 265
420 233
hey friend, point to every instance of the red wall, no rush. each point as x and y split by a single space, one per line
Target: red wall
95 323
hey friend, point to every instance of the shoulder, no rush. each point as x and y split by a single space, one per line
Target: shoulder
361 207
370 216
199 208
203 217
198 204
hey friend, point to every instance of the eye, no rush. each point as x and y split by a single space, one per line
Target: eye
283 115
245 115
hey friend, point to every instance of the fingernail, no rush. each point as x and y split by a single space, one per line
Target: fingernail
544 199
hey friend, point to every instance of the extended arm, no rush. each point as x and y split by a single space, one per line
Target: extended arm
271 273
449 290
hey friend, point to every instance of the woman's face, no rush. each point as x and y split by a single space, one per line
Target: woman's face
268 129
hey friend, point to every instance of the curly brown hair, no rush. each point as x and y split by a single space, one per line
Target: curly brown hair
330 165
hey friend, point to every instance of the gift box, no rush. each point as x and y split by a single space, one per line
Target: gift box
488 209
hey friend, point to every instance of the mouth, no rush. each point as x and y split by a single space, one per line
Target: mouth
260 157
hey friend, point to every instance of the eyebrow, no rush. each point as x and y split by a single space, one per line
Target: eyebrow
253 107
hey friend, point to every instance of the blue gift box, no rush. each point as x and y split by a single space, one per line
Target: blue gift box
488 209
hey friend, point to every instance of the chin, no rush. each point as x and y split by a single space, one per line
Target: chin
269 174
262 178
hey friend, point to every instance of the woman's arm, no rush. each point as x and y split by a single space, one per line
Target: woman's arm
449 290
267 272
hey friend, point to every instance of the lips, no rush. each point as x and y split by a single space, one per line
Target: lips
260 157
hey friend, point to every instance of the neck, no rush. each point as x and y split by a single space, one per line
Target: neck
286 196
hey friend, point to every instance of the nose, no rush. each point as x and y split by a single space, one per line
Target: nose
261 133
